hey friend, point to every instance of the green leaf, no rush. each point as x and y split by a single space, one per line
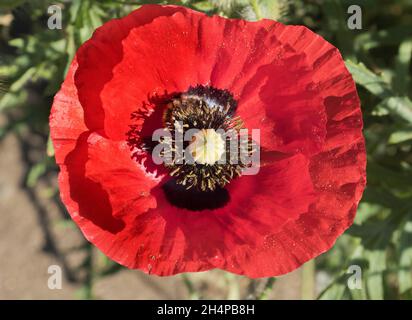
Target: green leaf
387 37
374 279
12 99
369 80
402 78
272 9
35 173
267 289
84 293
399 106
204 6
389 178
400 136
75 8
405 257
28 75
336 291
95 16
50 148
65 224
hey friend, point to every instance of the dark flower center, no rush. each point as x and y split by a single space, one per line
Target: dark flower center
203 148
209 113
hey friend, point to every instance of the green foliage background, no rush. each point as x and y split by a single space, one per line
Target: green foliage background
34 59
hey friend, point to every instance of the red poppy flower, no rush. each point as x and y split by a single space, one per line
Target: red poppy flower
163 63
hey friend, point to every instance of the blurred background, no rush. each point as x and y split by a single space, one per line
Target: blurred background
36 231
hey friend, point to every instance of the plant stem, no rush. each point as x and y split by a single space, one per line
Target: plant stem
267 289
234 288
308 280
193 295
88 294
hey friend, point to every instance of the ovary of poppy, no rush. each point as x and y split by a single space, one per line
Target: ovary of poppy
162 63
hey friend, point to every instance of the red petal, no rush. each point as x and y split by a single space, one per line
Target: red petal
66 118
290 83
116 76
172 53
127 184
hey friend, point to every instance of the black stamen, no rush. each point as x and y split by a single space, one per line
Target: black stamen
194 199
199 185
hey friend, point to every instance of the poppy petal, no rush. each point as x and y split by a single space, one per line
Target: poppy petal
289 82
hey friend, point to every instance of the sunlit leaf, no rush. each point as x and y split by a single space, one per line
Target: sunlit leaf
387 37
402 79
374 279
399 106
400 136
35 173
405 257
